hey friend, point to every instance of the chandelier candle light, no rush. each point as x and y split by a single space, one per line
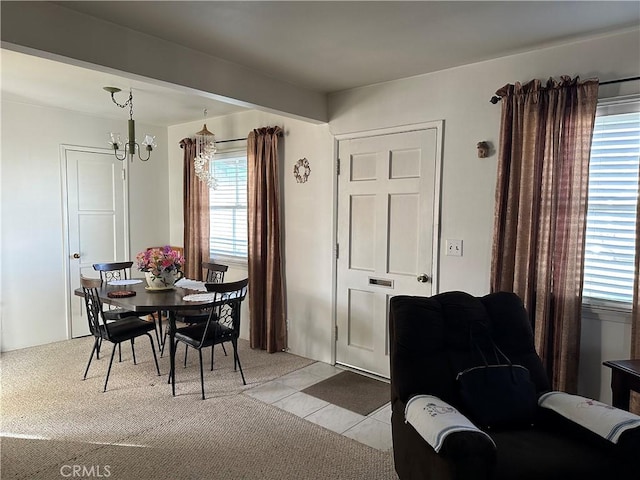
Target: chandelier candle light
205 150
131 147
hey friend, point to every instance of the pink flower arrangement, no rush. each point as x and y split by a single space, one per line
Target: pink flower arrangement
160 260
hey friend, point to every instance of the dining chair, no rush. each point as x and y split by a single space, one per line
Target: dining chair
115 332
222 325
214 274
111 271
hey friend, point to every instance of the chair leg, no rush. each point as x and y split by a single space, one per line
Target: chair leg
153 349
164 340
94 349
113 352
170 371
237 359
235 362
119 353
223 349
186 349
212 346
161 336
133 350
155 326
201 373
98 349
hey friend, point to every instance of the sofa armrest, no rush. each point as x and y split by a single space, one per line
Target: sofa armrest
468 455
435 420
608 422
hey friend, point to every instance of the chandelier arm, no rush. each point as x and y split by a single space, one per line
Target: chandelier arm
115 152
148 149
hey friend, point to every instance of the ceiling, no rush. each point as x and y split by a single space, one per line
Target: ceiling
322 46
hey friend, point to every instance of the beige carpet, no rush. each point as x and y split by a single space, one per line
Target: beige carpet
53 422
352 391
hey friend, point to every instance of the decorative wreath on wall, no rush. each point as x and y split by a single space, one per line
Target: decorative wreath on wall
302 170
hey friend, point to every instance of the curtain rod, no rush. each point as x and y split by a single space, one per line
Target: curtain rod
620 80
241 139
495 99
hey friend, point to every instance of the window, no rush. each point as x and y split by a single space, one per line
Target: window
613 196
228 207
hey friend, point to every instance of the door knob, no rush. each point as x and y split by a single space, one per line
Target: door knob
423 278
76 255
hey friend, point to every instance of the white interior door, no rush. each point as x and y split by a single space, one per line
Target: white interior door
388 191
97 219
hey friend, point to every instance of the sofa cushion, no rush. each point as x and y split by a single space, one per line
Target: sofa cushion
541 454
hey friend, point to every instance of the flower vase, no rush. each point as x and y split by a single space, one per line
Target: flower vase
164 281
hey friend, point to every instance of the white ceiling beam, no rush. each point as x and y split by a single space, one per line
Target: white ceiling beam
61 34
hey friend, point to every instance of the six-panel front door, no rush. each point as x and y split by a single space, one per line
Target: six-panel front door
387 215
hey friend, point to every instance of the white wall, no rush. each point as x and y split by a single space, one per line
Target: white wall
460 97
307 221
606 335
32 237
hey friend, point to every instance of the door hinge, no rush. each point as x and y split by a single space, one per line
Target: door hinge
336 333
338 167
337 250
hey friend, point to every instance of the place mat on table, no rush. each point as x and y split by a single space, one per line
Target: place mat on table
128 281
191 284
199 297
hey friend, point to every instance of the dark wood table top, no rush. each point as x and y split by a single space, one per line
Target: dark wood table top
631 367
146 300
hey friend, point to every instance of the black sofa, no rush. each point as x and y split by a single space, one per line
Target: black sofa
429 345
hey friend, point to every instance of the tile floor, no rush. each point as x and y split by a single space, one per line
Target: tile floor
373 430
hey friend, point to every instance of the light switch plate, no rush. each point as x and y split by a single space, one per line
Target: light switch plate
454 248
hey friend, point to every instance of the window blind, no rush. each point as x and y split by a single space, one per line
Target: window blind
611 216
228 206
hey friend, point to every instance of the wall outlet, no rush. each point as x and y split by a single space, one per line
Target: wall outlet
454 248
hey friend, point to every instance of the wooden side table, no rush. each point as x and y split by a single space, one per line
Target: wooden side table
625 376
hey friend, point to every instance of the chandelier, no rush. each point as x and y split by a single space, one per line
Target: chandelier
131 147
205 150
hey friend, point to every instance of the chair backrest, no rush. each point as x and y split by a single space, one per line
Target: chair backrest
113 270
92 302
228 300
431 340
215 272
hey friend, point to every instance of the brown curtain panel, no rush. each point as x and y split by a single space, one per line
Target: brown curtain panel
196 215
635 312
541 207
266 286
